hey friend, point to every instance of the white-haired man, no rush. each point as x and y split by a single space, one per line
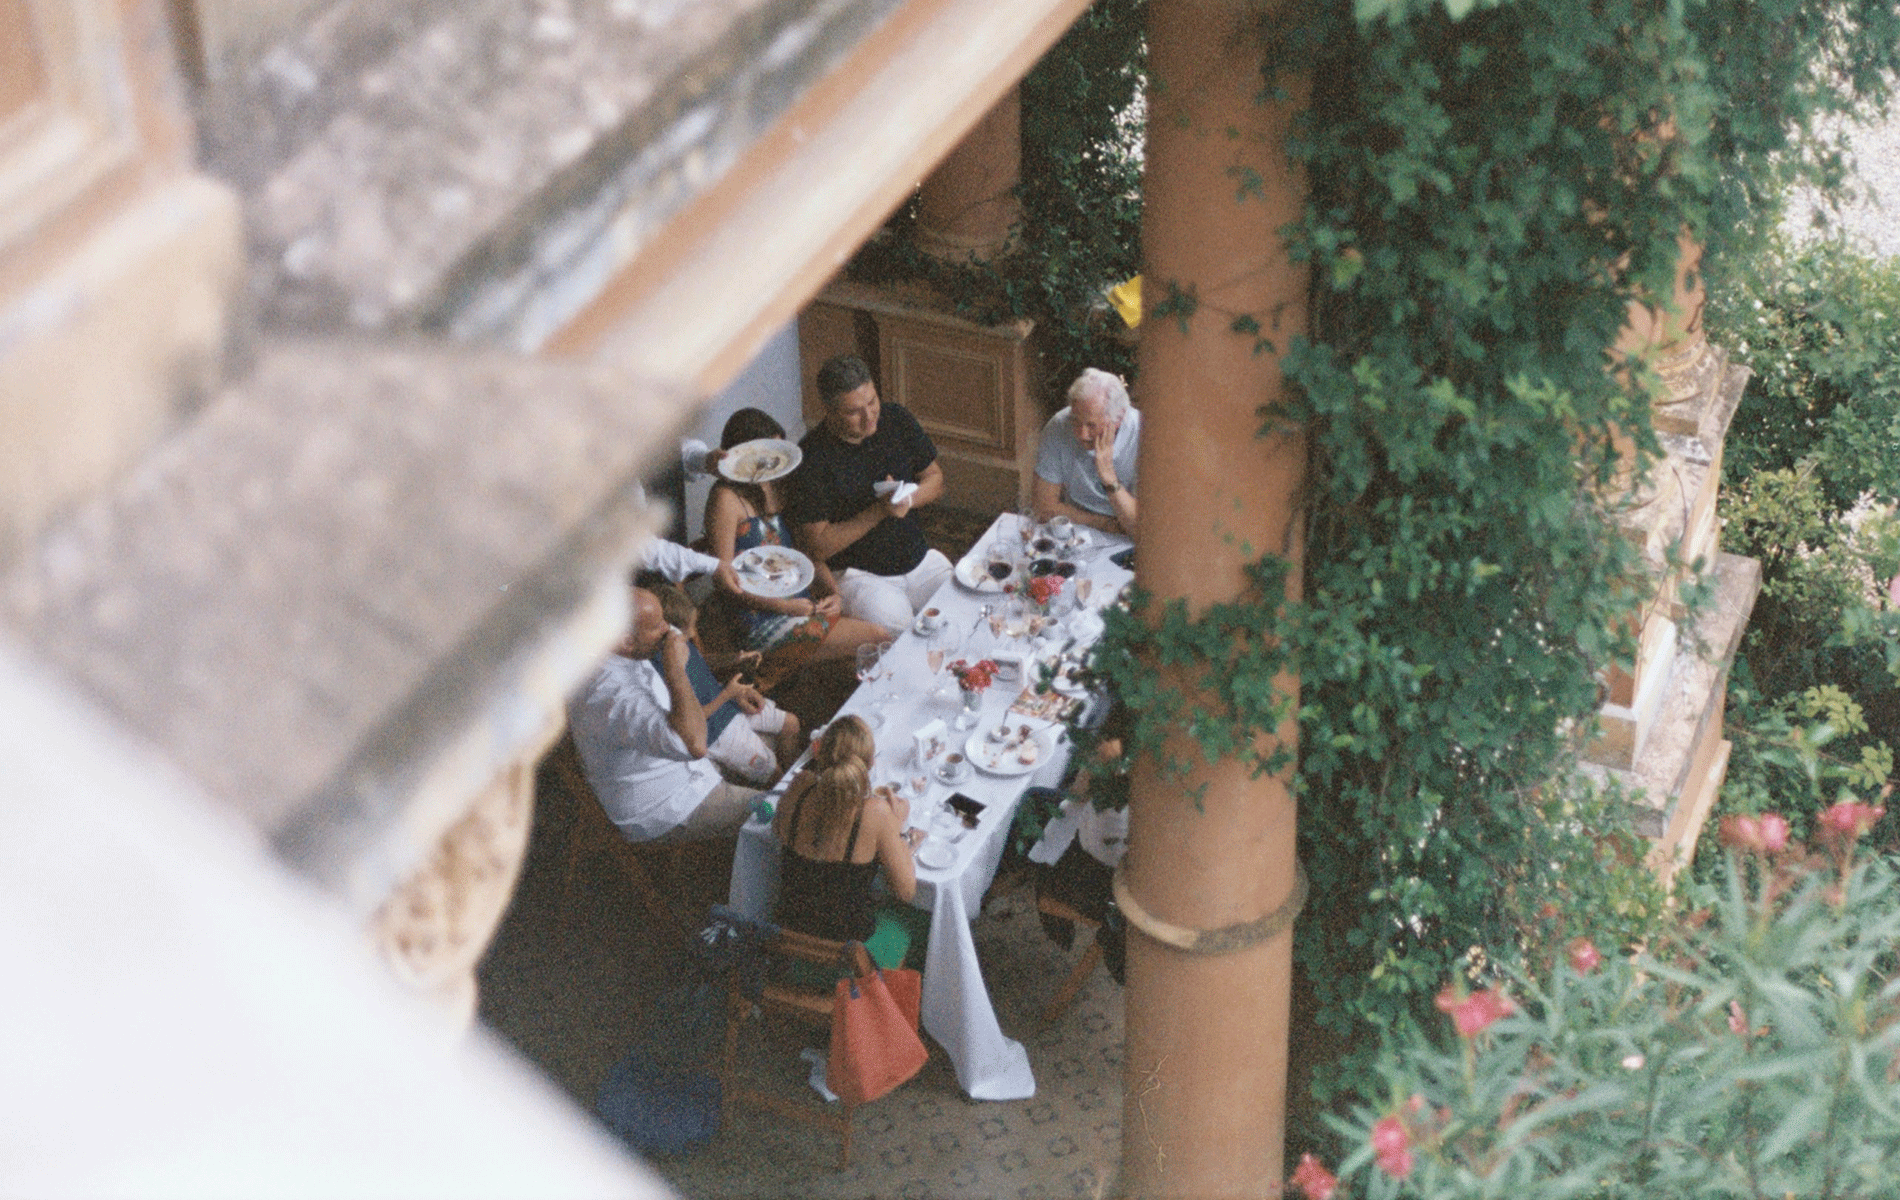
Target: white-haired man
1085 462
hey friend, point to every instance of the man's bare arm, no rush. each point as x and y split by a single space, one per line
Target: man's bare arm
1045 499
686 716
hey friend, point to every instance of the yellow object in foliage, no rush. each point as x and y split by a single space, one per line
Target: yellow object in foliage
1126 297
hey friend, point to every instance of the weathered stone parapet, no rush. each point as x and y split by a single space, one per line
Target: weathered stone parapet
442 165
356 588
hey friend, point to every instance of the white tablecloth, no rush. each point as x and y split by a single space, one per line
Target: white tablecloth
956 1003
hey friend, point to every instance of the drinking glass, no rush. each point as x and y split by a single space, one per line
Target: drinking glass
867 671
1016 619
1001 562
887 664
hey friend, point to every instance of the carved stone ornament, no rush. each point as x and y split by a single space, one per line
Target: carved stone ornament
434 928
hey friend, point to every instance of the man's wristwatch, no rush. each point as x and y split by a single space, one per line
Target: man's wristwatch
1111 488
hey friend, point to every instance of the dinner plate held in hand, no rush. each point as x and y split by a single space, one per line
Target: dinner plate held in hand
760 460
772 571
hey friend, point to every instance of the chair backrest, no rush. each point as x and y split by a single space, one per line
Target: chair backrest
592 833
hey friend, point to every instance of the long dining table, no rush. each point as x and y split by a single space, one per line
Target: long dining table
956 1009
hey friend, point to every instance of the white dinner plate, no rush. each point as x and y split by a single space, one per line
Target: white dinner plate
772 571
935 854
1001 758
973 572
1065 683
761 460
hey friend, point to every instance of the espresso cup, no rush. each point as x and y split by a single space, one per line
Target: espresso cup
931 619
1060 528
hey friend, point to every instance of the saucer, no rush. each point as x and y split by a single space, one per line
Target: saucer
935 854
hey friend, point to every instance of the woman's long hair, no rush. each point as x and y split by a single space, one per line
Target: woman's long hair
841 776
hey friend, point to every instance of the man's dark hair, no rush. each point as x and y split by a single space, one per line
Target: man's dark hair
840 374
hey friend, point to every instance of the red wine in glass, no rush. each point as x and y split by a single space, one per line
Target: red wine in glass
1000 569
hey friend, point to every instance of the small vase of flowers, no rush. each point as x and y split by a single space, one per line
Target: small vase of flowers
973 679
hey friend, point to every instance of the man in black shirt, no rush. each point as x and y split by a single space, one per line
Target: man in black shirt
885 570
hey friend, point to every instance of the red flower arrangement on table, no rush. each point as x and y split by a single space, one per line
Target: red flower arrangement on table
1044 588
974 676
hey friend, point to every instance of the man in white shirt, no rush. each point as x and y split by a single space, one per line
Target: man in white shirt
1086 458
641 726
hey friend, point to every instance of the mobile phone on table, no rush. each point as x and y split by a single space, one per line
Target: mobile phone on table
966 808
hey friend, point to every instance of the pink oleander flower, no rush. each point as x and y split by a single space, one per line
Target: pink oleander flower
1314 1181
1477 1012
1392 1147
1774 832
1741 833
1584 955
1737 1019
1848 820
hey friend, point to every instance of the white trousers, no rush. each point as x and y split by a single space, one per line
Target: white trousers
892 600
741 753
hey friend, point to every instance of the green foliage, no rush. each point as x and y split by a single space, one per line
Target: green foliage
1811 466
1820 326
1752 1051
1080 191
1488 194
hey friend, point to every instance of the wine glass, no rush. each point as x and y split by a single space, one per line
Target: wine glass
1001 561
887 663
868 655
1015 620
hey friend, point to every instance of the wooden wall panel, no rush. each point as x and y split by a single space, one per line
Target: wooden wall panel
953 382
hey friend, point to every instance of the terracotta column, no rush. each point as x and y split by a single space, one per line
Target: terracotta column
968 207
1204 1112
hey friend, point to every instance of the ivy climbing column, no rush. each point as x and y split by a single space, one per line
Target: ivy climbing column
1210 883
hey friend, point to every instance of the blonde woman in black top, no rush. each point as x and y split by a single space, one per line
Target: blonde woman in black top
835 833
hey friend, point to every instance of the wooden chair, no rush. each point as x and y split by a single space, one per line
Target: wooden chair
592 835
810 1005
1065 995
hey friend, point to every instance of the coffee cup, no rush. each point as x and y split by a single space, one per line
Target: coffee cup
1061 528
931 619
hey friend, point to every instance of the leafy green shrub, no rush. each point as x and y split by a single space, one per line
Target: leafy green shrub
1752 1051
1814 440
1819 324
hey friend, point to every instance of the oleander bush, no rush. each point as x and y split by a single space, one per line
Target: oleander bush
1752 1049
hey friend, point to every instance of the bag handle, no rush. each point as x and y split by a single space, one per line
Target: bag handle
860 961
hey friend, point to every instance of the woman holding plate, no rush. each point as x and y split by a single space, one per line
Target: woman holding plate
792 630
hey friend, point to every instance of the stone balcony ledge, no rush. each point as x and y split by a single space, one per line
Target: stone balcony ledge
400 163
355 588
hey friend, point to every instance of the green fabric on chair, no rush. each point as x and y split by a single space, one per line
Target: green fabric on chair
900 939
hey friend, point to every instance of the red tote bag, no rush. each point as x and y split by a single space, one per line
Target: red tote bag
874 1042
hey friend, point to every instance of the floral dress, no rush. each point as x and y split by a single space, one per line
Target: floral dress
768 631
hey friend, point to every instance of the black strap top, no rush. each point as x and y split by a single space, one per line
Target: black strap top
826 899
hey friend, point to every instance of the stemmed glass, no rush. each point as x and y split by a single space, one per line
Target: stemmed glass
887 662
1016 620
868 655
936 653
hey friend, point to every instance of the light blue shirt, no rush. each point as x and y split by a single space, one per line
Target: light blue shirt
1062 459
